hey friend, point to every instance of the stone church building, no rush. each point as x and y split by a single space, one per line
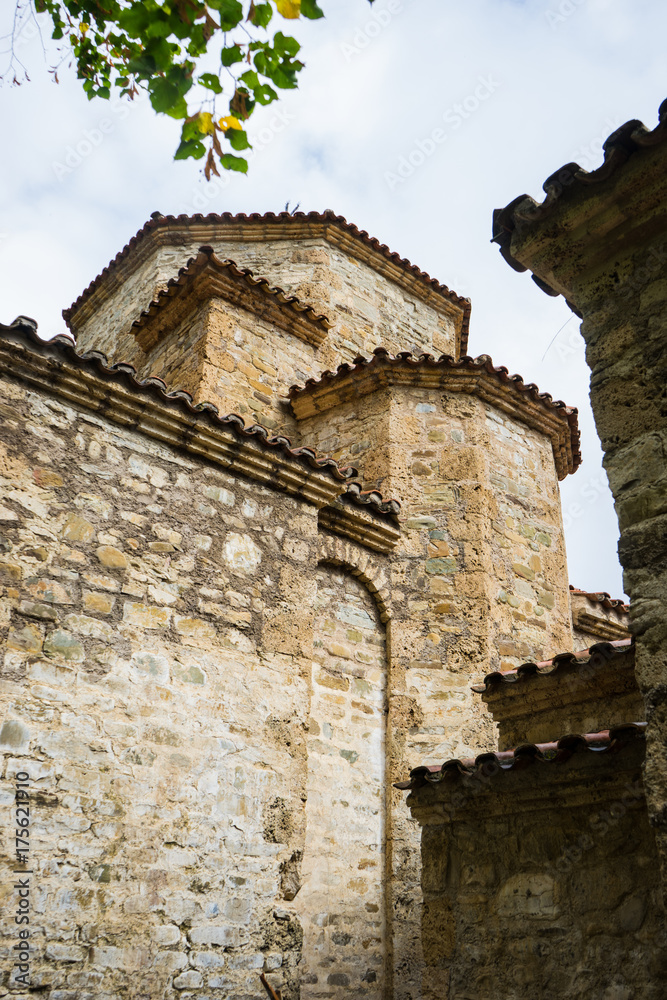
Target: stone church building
275 550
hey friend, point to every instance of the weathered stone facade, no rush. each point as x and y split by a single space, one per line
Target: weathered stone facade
539 877
599 239
222 650
539 861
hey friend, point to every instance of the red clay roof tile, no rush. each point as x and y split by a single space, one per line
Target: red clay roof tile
490 765
158 221
596 656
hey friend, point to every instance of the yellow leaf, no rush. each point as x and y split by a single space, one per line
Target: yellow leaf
205 122
229 122
289 8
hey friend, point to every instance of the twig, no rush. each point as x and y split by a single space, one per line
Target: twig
273 994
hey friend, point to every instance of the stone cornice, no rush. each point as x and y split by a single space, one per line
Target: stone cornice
476 377
173 231
87 382
588 775
206 276
362 526
604 628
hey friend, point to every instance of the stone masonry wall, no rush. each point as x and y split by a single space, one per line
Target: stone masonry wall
541 882
233 358
342 904
158 617
365 308
478 578
603 245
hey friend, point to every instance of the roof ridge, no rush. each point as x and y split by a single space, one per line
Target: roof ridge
425 358
206 258
597 655
370 498
157 221
492 763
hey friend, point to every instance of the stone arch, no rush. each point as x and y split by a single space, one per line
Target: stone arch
342 899
365 567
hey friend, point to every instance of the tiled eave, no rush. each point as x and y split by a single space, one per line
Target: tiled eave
497 766
571 182
206 276
603 599
114 391
169 231
587 661
474 376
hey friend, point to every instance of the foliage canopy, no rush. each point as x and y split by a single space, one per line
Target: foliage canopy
189 55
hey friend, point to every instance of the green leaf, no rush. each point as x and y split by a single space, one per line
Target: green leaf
190 148
230 11
161 52
230 162
261 14
211 82
135 20
166 97
310 9
237 139
285 44
232 54
158 29
251 78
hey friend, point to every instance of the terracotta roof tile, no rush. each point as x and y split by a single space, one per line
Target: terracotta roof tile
603 599
430 366
207 262
596 656
618 148
329 218
25 330
489 765
370 498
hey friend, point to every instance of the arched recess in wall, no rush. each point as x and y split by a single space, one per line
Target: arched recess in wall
341 901
360 564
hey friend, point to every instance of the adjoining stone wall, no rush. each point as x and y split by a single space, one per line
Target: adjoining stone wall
602 244
586 697
365 308
342 902
597 620
158 617
541 882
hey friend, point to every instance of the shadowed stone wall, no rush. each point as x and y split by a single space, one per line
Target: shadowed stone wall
541 883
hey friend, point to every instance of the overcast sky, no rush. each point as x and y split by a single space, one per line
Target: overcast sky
516 89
